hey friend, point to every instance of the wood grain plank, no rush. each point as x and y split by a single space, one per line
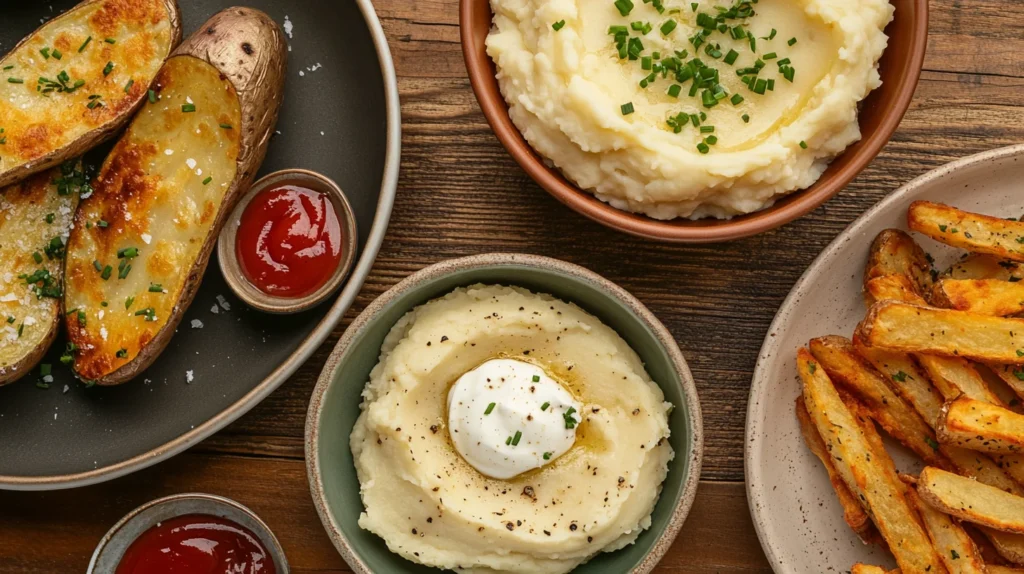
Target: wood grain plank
57 531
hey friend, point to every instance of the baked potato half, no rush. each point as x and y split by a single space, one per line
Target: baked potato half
142 242
78 79
37 215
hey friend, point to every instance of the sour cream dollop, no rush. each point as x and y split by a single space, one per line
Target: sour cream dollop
507 417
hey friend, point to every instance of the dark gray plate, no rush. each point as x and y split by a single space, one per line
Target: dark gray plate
340 119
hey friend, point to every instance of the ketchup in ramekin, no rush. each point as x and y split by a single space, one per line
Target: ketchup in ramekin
289 241
196 544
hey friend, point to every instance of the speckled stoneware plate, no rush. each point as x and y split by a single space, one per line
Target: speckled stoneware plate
340 117
335 404
795 512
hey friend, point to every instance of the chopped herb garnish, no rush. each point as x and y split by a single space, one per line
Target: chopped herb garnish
227 126
45 52
746 118
627 108
149 313
56 53
558 25
152 96
508 441
931 442
791 41
156 288
942 228
954 554
15 81
547 455
668 26
84 44
121 353
108 68
207 180
128 302
127 252
11 319
811 366
37 257
624 6
803 144
515 439
188 108
123 269
128 86
49 217
110 41
105 274
545 406
102 223
490 408
567 416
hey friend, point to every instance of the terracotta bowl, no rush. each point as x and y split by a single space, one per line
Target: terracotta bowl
880 114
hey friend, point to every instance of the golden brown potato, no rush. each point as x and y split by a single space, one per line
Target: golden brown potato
894 252
983 296
982 266
970 231
35 221
844 366
958 551
981 426
914 329
863 471
143 240
971 501
78 79
853 513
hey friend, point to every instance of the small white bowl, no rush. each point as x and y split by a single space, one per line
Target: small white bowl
228 257
112 546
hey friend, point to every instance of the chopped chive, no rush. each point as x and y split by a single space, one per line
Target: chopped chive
558 25
127 252
37 257
712 140
128 302
49 217
515 439
105 274
490 408
791 41
736 99
121 353
56 53
207 180
110 41
703 148
99 266
624 6
128 86
108 68
626 108
760 86
102 223
152 97
784 62
547 455
803 144
188 108
508 441
156 288
536 378
104 304
45 52
545 406
674 90
15 81
84 44
668 26
21 329
123 270
730 58
646 63
769 56
707 129
11 319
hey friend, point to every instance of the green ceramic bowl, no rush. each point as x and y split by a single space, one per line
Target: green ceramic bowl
334 406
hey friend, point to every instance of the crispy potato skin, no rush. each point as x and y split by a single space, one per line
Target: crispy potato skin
894 252
168 192
45 131
983 296
949 537
981 426
33 214
971 231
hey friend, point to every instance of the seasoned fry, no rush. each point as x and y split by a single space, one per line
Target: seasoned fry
842 363
914 329
971 501
988 551
981 266
955 547
907 378
854 514
863 472
954 377
894 252
1012 375
1010 546
867 569
894 288
971 231
981 426
996 569
984 296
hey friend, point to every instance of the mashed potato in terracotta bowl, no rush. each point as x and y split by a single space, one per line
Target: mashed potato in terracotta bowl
688 109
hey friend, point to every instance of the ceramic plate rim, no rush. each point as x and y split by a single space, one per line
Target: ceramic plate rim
691 481
388 190
759 382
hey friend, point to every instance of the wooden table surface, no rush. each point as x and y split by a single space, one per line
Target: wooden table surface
461 194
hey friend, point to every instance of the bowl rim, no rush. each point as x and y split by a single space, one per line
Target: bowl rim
786 209
275 548
227 255
448 267
309 345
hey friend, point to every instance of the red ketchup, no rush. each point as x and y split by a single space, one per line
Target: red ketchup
196 544
289 241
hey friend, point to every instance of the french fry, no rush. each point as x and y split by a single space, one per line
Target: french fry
988 551
981 426
906 378
843 365
1010 546
863 472
958 551
894 288
1012 375
996 569
868 569
853 513
982 266
983 296
970 500
970 231
894 252
914 329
